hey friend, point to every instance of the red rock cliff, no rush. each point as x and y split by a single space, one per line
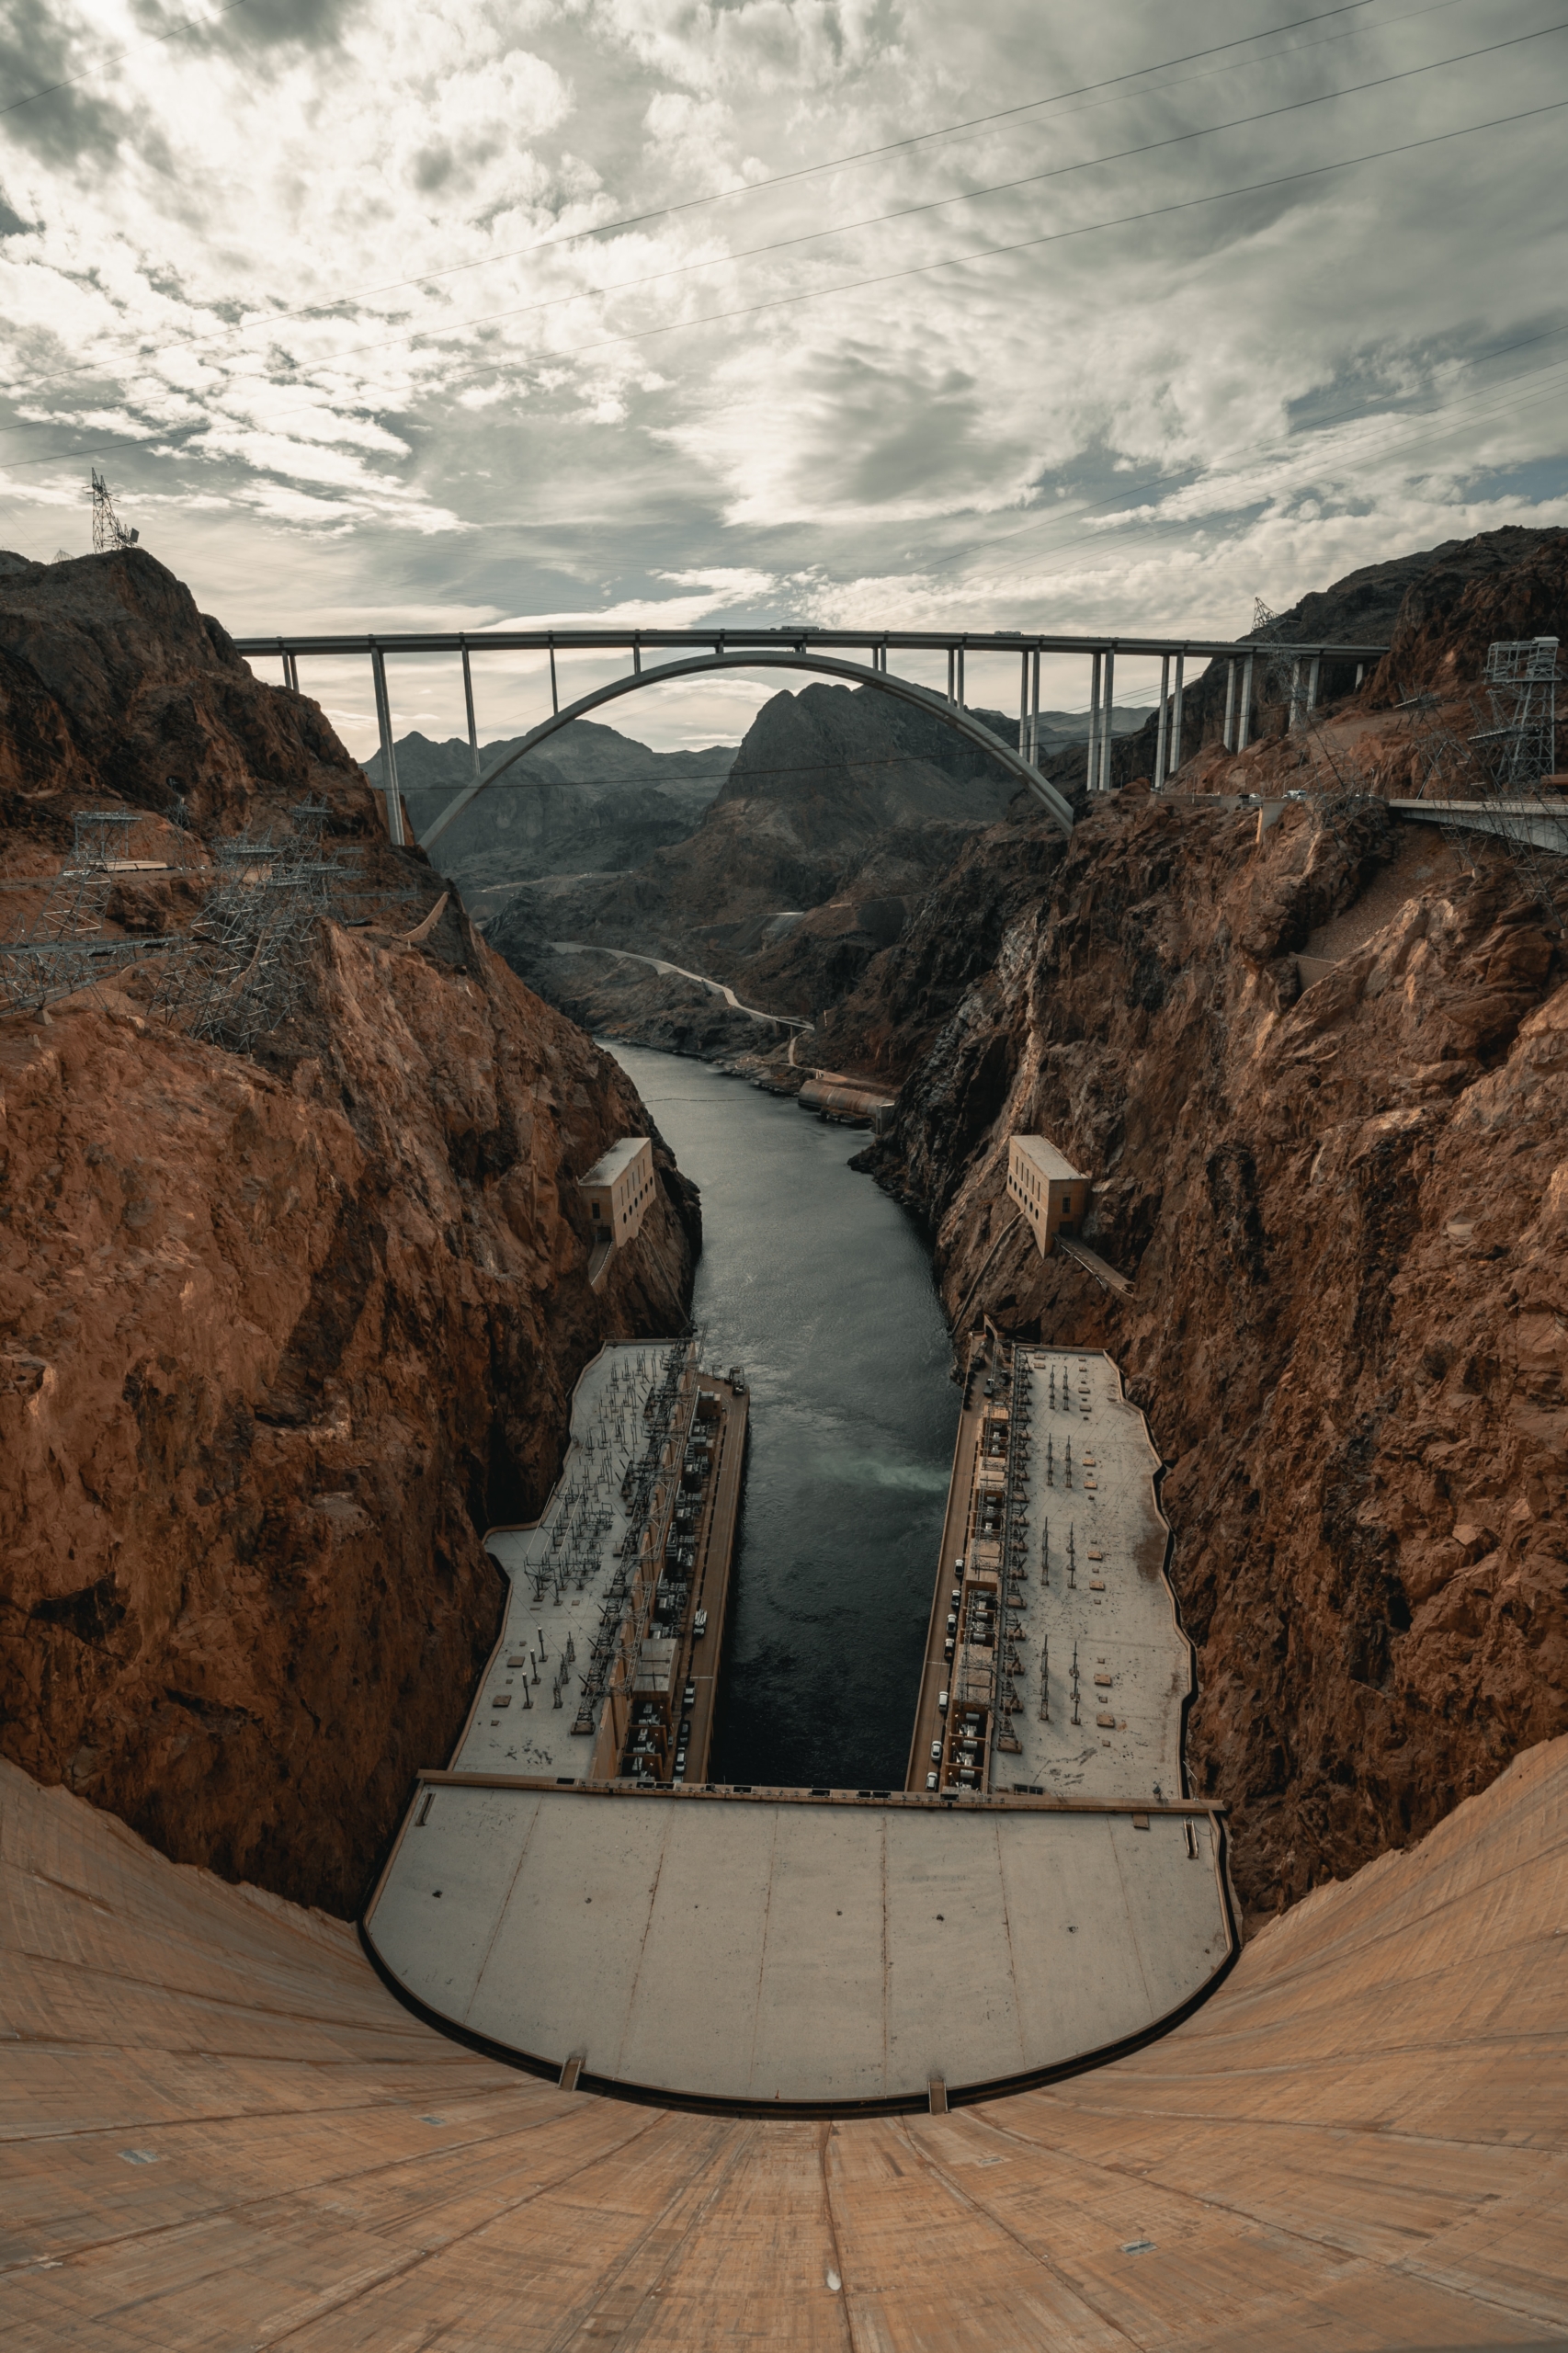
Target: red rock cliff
1346 1210
279 1336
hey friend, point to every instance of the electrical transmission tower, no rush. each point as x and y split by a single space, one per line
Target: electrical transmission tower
1501 766
109 531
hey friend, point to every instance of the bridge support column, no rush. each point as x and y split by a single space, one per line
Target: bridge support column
960 678
1160 732
1024 705
1176 713
1228 737
1314 676
388 758
1107 701
952 651
1034 709
290 672
1244 725
1092 772
1293 720
468 704
555 690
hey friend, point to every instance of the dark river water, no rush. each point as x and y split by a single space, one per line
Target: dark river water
817 1283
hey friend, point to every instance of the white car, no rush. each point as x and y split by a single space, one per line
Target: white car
700 1624
930 1781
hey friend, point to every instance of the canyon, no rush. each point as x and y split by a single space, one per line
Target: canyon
282 1332
1319 1070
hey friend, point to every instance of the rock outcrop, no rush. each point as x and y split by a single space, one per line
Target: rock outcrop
280 1336
1346 1207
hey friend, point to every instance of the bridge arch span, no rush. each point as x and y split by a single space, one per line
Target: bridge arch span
962 722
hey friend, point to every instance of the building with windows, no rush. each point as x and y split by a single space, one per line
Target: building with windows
618 1187
1053 1194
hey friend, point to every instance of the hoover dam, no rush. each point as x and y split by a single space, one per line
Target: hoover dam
221 2128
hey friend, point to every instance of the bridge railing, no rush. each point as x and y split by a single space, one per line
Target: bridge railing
727 648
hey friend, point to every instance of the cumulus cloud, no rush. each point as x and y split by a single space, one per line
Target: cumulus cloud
399 307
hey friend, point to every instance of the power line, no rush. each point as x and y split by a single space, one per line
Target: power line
894 277
191 24
196 341
904 213
804 171
1156 482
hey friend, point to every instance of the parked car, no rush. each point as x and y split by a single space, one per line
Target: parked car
942 1702
700 1624
930 1781
936 1752
689 1696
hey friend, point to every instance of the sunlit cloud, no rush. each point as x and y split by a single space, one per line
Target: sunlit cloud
338 300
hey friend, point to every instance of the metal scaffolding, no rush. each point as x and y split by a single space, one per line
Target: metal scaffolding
1499 770
238 972
65 948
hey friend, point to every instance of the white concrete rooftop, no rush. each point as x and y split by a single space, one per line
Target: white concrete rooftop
1091 1503
610 1164
530 1734
779 1948
1052 1165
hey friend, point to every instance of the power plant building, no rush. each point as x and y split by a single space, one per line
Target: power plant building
1053 1194
618 1187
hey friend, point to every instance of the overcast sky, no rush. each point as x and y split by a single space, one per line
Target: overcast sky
380 314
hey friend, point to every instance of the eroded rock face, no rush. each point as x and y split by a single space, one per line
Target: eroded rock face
113 686
1346 1210
280 1336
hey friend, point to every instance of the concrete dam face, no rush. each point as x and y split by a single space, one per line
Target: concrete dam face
223 2130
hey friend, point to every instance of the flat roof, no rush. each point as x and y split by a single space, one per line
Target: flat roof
559 1573
1094 1591
1052 1164
783 1947
613 1163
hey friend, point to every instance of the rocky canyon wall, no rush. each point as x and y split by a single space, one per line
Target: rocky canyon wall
1346 1207
280 1336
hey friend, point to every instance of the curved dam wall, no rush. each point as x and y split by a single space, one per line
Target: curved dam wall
220 2131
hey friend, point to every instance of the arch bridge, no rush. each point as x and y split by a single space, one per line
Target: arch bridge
825 654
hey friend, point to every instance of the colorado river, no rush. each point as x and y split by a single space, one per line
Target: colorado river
817 1283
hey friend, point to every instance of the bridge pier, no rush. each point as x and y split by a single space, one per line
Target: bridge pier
388 758
1244 729
1107 709
1159 778
1176 714
467 700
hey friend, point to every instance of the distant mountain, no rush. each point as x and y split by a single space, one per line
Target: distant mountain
589 801
840 810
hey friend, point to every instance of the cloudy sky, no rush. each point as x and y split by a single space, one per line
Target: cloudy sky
394 313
